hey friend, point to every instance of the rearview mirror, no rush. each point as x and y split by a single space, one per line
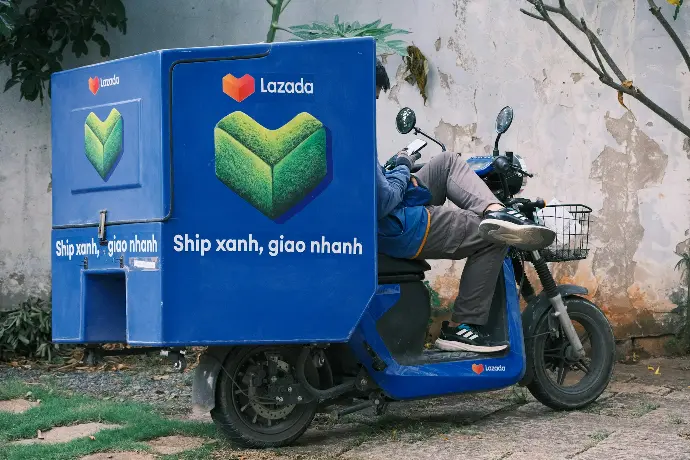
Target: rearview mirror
504 119
406 120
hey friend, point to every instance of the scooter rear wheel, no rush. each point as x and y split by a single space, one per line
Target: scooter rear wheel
548 354
252 420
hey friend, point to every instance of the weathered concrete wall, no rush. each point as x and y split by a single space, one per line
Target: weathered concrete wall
583 146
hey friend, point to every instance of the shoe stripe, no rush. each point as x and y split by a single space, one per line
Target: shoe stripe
517 214
474 337
461 331
468 334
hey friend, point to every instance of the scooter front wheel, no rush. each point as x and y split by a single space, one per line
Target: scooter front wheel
561 380
245 414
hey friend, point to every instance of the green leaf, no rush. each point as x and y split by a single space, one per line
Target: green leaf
10 83
32 44
320 30
6 24
118 9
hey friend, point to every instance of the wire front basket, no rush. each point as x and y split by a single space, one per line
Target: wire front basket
571 224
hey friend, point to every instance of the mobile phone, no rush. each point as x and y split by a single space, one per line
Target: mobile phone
415 146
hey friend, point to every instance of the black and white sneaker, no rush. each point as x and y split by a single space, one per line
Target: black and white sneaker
466 338
511 227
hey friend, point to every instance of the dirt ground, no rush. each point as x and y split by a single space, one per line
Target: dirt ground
644 414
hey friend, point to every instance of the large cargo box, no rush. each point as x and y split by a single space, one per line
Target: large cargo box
217 195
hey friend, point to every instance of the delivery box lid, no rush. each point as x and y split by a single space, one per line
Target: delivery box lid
107 143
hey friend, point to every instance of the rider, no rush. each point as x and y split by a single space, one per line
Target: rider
413 223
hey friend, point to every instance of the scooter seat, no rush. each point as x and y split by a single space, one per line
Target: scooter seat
389 266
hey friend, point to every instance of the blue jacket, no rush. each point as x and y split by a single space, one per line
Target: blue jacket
403 221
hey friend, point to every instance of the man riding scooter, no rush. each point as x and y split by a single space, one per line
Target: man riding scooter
413 223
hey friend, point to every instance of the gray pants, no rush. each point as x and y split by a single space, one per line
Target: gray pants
454 233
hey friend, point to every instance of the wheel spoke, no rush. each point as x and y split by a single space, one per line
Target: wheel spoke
562 371
256 416
269 421
582 366
243 408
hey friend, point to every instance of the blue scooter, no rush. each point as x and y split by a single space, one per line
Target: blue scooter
561 347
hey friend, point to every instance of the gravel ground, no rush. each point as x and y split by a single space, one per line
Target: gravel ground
145 379
642 415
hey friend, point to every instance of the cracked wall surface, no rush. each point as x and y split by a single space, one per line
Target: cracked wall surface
581 144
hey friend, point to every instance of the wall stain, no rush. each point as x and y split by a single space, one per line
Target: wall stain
465 59
447 285
446 80
540 88
457 138
395 87
622 175
437 44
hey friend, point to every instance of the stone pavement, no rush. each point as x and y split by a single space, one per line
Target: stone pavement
645 414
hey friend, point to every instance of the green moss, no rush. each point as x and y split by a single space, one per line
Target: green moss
435 298
271 169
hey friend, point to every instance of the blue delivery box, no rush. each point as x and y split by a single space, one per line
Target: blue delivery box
211 196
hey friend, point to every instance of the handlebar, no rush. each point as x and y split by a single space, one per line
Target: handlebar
527 206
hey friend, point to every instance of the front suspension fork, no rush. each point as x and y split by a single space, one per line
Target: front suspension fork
560 310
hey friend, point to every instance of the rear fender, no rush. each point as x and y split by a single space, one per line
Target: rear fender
206 376
531 316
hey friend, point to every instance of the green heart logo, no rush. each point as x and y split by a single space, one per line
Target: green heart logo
271 169
103 141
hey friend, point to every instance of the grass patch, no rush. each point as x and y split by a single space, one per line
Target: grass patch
676 420
645 407
518 396
599 436
139 422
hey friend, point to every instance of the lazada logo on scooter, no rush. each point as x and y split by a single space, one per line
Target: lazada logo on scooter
241 88
479 368
96 83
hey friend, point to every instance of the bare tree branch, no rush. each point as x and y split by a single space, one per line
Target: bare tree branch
551 9
600 52
531 15
656 11
650 104
541 8
590 37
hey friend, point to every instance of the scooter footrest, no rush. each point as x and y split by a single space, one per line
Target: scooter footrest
440 356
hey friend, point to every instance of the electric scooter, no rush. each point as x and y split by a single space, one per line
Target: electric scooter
267 395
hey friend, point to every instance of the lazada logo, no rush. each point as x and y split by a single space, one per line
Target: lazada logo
238 88
241 88
479 368
95 83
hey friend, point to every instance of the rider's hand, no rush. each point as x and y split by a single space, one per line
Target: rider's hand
403 159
